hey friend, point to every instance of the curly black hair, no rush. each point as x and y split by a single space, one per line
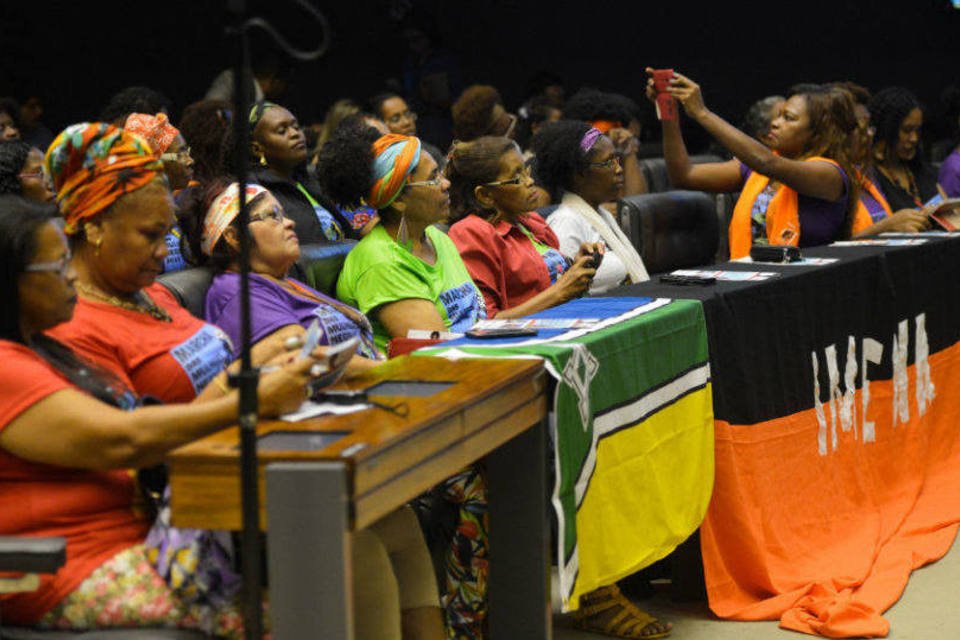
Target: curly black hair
205 126
13 155
592 104
345 162
888 107
134 100
559 156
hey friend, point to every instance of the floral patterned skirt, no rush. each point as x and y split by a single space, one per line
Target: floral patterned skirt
127 592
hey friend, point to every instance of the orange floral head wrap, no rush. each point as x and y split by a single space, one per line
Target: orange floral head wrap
395 158
93 164
156 130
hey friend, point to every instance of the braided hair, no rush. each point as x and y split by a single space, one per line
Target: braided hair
13 155
888 108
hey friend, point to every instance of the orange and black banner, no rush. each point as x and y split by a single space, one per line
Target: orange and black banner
837 404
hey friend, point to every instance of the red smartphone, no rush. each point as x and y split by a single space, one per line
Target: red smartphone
666 105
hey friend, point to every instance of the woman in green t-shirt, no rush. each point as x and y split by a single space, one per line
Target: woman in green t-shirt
405 274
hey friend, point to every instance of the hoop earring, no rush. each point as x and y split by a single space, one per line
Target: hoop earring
403 235
96 247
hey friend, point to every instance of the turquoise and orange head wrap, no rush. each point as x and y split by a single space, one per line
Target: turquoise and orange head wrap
93 164
395 158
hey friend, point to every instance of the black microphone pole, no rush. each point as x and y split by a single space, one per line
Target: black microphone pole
251 552
251 549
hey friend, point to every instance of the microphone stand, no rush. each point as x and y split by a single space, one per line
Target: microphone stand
247 379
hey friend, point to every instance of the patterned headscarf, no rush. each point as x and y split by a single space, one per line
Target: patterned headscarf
222 211
93 164
395 158
156 130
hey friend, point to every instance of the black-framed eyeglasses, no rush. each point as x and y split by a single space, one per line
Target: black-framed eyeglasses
515 181
60 266
606 164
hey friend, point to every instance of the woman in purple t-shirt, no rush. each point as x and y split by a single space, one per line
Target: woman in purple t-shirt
811 147
278 304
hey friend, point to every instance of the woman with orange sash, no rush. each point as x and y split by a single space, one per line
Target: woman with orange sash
799 192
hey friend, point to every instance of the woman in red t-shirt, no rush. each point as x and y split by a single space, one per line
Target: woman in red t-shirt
510 252
69 433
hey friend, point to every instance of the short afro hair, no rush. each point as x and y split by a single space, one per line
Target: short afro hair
345 162
473 111
559 156
590 105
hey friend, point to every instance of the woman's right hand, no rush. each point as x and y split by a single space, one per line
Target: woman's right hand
575 281
909 220
283 390
687 93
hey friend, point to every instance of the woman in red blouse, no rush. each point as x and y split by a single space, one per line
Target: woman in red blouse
510 252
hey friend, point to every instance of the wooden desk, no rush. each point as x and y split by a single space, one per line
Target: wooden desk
495 409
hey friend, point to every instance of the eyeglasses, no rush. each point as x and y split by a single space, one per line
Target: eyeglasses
60 266
182 156
433 182
606 164
515 181
275 214
405 115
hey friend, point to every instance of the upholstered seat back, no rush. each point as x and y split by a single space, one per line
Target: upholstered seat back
671 230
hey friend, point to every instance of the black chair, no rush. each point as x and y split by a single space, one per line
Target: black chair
545 212
655 171
33 556
671 230
319 266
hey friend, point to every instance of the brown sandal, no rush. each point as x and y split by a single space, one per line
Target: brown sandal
608 611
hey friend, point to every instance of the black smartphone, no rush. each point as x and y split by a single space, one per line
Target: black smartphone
594 262
672 278
509 332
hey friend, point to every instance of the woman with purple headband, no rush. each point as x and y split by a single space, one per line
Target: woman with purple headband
580 167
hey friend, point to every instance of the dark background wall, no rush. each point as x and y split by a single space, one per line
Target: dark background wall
75 54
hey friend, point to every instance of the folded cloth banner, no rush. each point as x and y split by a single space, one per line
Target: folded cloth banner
838 452
633 431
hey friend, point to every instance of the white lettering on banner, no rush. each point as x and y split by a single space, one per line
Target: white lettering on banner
901 398
925 389
833 374
821 418
849 386
872 353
